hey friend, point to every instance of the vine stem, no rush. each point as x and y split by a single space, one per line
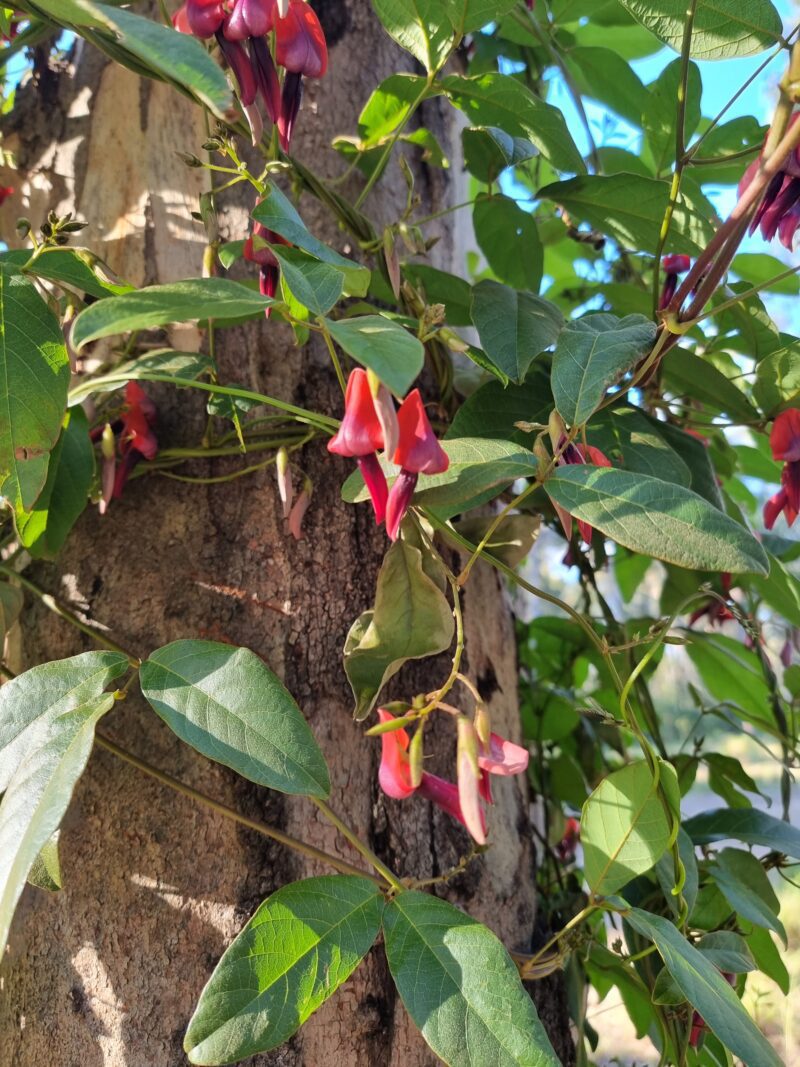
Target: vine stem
231 813
357 844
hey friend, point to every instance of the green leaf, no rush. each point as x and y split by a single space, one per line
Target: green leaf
422 27
777 384
695 455
303 942
493 410
511 541
757 268
631 440
46 870
513 327
170 56
469 15
157 305
488 151
688 375
721 29
64 497
750 825
388 107
383 346
625 827
705 989
732 674
277 213
605 76
11 601
780 589
592 354
665 872
460 986
76 268
39 793
315 284
728 951
509 238
443 288
34 378
767 956
658 518
660 112
46 692
630 208
745 885
500 100
226 703
411 619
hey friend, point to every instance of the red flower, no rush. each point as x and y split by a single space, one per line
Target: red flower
717 612
673 266
570 455
779 210
360 436
785 443
418 452
5 192
569 841
270 271
136 438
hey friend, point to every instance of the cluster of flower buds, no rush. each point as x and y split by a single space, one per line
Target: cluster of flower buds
132 436
779 210
674 265
241 28
785 443
400 774
371 425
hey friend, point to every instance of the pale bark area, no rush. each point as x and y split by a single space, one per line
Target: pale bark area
106 973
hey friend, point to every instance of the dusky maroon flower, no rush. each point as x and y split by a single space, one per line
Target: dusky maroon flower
567 845
360 436
785 444
249 18
269 268
673 265
779 210
418 452
574 454
301 49
203 17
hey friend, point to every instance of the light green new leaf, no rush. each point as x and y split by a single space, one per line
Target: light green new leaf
706 990
658 518
47 691
388 107
46 870
39 793
226 703
76 268
592 354
630 208
500 100
513 327
383 346
460 986
34 379
625 827
157 305
777 384
411 619
750 825
722 28
295 952
422 27
745 885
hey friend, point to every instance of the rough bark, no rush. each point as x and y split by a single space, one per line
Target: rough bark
107 972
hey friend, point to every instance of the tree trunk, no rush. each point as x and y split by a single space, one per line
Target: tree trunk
108 971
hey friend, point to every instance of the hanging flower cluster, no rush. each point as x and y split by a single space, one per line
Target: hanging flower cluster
476 761
785 443
132 437
370 425
779 210
241 28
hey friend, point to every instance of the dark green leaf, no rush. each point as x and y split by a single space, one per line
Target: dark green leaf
745 885
749 825
509 238
722 28
46 692
493 410
767 956
625 827
692 376
513 327
630 208
157 305
460 987
11 601
728 951
227 704
34 378
500 100
592 354
411 619
39 792
780 589
316 285
665 872
295 952
631 440
394 354
488 151
658 518
695 455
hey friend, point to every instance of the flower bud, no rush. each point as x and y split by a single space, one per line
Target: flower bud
416 754
468 779
284 473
